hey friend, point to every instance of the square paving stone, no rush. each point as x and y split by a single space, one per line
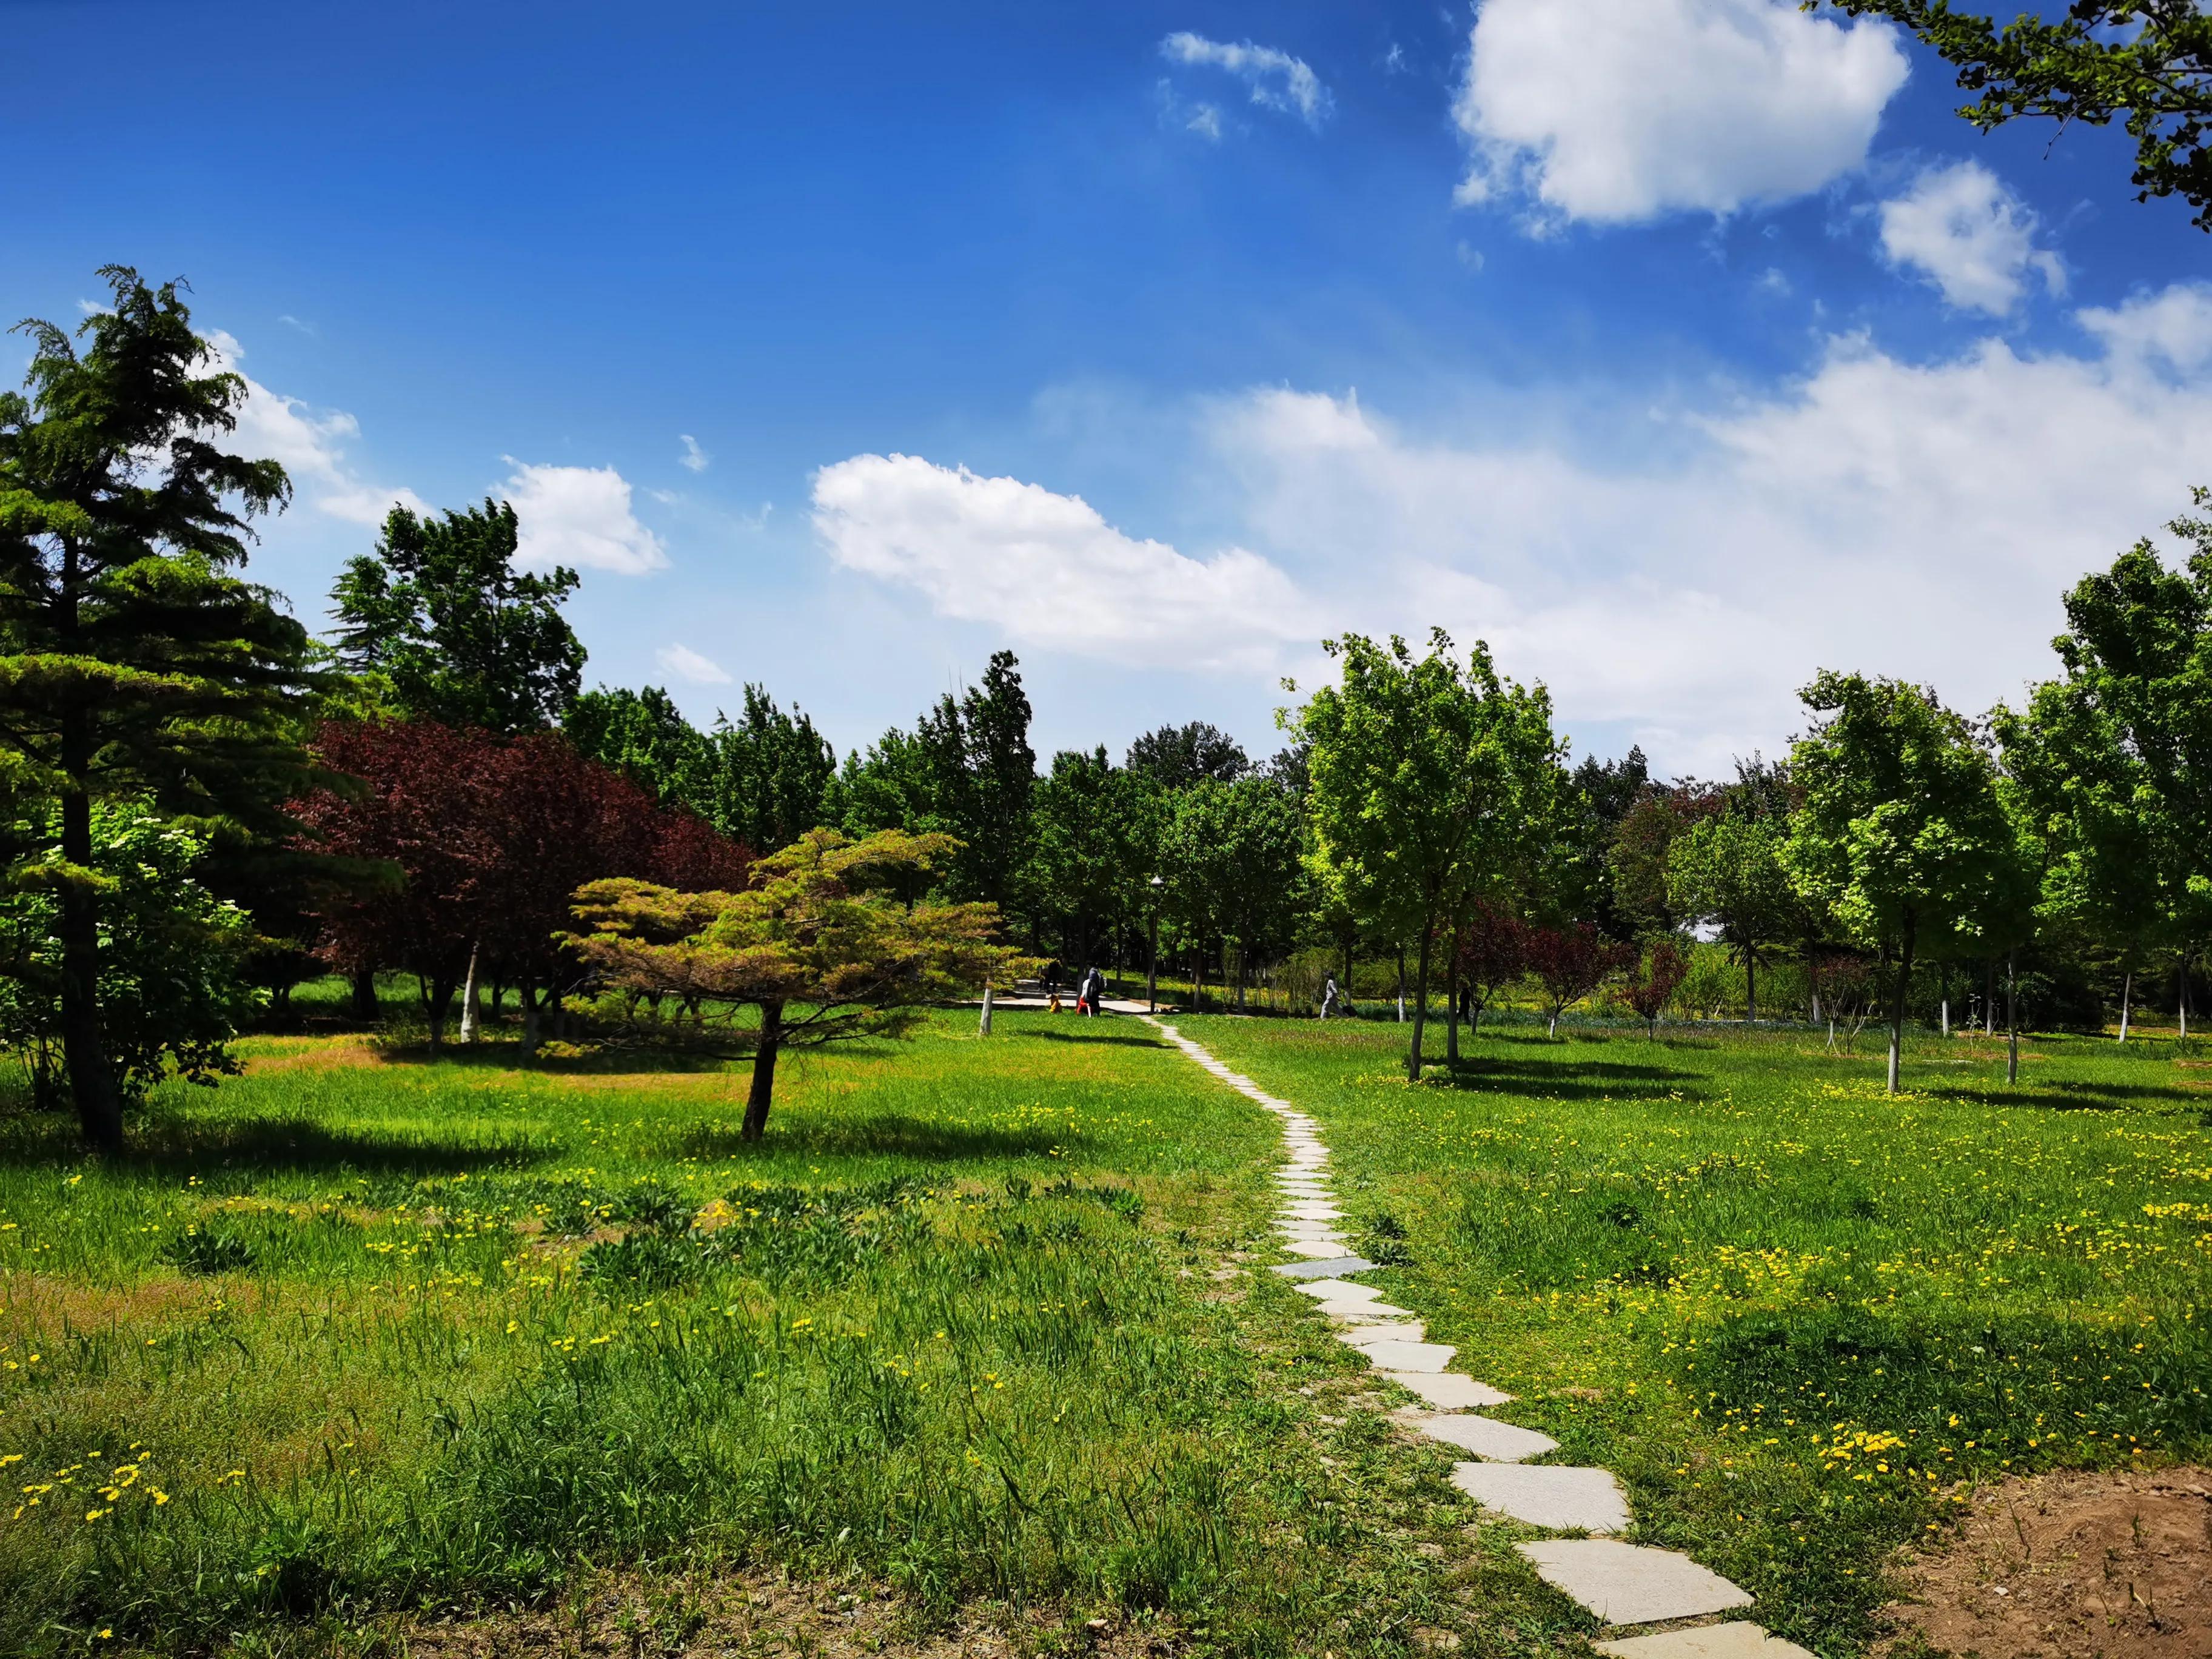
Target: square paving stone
1340 1290
1370 1310
1487 1437
1334 1269
1430 1357
1448 1391
1565 1500
1735 1640
1631 1583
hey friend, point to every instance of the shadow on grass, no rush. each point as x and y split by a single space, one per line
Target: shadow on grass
1089 1036
169 1147
643 1060
1571 1080
892 1135
2071 1097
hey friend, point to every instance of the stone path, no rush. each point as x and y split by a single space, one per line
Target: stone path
1623 1583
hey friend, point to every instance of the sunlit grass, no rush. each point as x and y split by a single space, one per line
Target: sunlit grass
1790 1312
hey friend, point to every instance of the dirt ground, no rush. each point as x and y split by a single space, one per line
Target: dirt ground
759 1615
2071 1566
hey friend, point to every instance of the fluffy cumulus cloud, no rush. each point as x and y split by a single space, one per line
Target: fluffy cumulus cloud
1274 79
1960 227
1912 519
311 447
1046 570
1617 110
579 516
689 665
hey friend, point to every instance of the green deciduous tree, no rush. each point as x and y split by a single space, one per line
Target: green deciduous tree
1428 774
441 615
811 944
1234 857
1728 871
132 663
171 989
644 736
1096 844
1900 831
1177 756
2147 63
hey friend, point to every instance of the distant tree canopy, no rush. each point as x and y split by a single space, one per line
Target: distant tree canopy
1177 756
440 613
2147 63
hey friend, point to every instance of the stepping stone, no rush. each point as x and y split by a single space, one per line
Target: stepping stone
1735 1640
1448 1391
1334 1269
1487 1437
1631 1583
1313 1210
1351 1309
1429 1357
1363 1333
1319 1250
1564 1499
1340 1290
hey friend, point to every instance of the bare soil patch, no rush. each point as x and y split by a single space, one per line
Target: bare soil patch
2071 1566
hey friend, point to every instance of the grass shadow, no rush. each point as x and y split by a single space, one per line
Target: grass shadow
1566 1080
891 1135
171 1147
1086 1036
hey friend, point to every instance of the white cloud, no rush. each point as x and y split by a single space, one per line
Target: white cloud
310 446
2171 327
1046 570
579 516
1206 122
1916 520
688 664
1276 80
696 458
1964 230
1616 111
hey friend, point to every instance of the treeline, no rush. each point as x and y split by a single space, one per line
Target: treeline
206 805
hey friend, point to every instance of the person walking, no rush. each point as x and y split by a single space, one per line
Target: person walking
1094 987
1332 1000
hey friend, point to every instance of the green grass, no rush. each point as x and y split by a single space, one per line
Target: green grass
357 1333
1790 1313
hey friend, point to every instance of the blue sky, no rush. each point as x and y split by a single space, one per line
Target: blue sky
1678 347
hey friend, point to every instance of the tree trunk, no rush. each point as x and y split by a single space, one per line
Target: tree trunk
1451 1015
1897 1008
1421 1005
1346 981
471 1003
2181 998
528 992
983 1026
437 997
1990 1000
92 1080
1551 1026
2127 990
762 1092
2012 1025
365 1007
1402 984
1244 973
1946 1015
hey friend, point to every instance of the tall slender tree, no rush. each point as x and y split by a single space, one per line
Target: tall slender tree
135 664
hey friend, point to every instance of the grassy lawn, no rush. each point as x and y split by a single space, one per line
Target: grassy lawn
360 1333
1790 1313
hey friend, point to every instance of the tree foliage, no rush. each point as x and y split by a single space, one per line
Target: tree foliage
811 944
462 637
1234 858
1177 756
2147 63
135 666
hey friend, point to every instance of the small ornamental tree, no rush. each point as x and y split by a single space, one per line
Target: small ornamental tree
1571 962
810 945
1728 870
1649 988
1493 952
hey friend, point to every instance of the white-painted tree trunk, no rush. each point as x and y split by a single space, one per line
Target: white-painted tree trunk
2127 992
983 1026
1947 1015
471 1003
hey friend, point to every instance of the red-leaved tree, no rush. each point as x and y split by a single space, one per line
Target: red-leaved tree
1493 952
479 842
1571 962
1650 987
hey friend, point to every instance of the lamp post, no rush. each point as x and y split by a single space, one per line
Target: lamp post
1153 968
